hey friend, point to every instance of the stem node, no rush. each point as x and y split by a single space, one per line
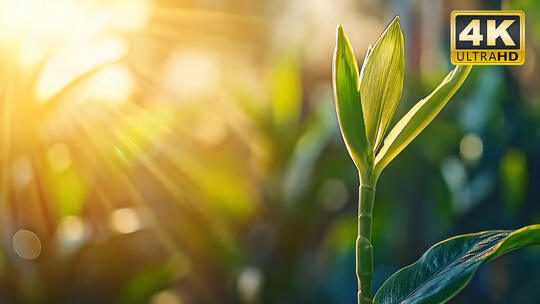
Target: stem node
364 249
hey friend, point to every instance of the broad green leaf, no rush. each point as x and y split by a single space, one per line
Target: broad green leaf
382 82
419 117
448 266
348 104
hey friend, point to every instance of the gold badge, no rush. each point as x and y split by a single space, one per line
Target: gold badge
487 37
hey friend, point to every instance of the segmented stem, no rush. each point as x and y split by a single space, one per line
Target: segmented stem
364 250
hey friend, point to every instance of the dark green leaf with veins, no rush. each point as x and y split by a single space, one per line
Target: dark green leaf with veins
448 266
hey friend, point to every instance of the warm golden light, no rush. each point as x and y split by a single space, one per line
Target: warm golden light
71 229
21 171
72 62
179 152
113 85
191 74
103 105
42 26
125 220
59 157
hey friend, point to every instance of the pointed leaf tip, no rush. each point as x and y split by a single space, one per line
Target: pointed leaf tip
339 29
382 82
348 105
340 35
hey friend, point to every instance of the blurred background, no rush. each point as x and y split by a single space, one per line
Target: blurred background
187 152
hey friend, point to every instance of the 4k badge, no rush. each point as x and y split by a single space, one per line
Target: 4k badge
487 37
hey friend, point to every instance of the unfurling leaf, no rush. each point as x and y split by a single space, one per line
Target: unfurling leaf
366 103
420 116
348 104
448 266
382 82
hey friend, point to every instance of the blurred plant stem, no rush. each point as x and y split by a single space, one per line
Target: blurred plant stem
364 250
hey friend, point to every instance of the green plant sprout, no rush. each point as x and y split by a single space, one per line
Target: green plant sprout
366 101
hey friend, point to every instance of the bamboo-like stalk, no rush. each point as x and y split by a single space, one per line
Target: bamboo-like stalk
364 249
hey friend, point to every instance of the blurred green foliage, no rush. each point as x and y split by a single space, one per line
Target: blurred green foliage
248 195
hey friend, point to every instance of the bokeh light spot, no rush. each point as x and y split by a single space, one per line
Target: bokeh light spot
471 147
59 157
26 244
166 297
125 220
249 284
21 171
333 195
191 74
112 85
71 229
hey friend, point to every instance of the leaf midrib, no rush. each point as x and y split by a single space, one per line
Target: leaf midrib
437 272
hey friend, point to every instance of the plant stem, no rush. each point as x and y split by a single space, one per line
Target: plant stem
364 250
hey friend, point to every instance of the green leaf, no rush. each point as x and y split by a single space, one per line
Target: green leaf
448 266
419 117
382 82
348 104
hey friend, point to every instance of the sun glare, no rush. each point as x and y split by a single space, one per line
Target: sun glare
103 122
56 54
57 22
